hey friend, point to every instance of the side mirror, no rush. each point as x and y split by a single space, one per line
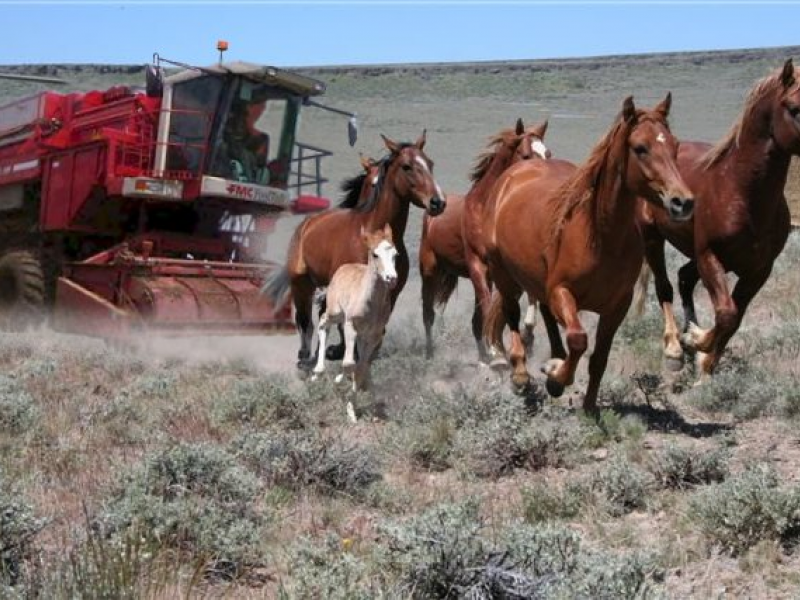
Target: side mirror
352 130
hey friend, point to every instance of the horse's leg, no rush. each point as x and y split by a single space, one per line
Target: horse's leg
322 333
530 323
336 351
553 333
727 321
477 332
479 276
303 297
366 346
561 373
607 326
687 281
428 312
510 293
654 252
726 316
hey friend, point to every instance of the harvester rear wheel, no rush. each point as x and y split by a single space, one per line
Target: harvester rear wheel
22 290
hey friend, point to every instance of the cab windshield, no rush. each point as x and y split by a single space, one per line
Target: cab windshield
256 136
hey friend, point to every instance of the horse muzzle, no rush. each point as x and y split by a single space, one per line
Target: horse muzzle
679 209
390 281
436 206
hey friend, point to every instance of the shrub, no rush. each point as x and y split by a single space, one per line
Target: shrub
18 528
424 429
545 502
622 485
18 412
748 508
196 498
445 553
499 435
327 569
677 467
295 459
262 402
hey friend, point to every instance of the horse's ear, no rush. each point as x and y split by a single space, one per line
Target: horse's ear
366 162
520 127
387 232
628 109
540 130
787 75
420 143
664 106
390 145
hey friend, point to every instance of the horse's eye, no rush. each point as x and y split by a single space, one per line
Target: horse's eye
794 111
640 150
407 167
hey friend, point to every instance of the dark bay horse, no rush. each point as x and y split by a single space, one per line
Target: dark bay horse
442 258
568 237
741 222
324 242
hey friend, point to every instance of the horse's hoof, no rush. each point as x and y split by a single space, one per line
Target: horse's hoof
551 366
673 364
498 363
334 352
339 378
314 376
351 413
348 364
554 388
522 389
304 365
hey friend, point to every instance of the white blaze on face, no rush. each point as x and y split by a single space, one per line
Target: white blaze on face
661 138
386 253
422 162
539 148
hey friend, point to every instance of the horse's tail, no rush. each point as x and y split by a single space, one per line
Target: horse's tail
490 327
277 287
640 291
444 284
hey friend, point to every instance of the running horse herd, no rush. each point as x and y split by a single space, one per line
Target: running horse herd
571 237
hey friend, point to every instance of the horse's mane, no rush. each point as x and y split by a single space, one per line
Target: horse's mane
763 88
354 185
352 190
484 160
581 189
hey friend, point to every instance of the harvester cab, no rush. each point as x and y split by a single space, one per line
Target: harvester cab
146 209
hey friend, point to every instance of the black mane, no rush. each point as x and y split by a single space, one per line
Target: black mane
352 190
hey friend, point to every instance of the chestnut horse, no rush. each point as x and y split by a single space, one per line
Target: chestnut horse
742 220
441 253
568 237
324 242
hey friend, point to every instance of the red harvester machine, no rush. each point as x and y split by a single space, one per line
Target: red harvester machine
142 210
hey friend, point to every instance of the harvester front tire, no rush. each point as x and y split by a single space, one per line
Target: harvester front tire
22 290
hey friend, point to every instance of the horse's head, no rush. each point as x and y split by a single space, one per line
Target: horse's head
382 253
530 142
652 171
410 171
786 109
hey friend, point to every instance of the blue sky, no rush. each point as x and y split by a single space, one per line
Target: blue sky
304 33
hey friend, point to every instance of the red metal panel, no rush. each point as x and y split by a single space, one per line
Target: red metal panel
88 171
57 192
